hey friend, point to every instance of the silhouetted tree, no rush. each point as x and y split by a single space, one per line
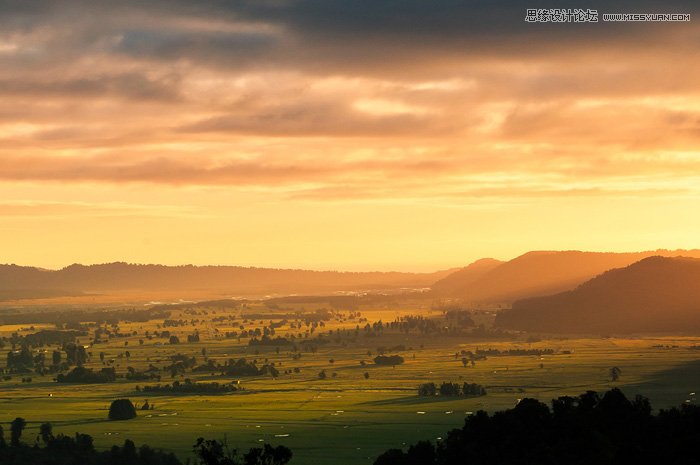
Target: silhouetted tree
75 354
427 389
16 428
267 455
122 409
213 452
583 430
391 360
449 389
615 373
46 432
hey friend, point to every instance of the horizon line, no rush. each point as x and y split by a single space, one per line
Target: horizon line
329 270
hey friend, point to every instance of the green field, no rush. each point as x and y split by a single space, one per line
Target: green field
345 417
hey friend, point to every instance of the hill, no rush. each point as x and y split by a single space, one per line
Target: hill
654 294
539 273
465 277
29 282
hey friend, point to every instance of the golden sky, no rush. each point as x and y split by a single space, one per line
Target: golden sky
331 134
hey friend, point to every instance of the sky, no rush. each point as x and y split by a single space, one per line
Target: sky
347 135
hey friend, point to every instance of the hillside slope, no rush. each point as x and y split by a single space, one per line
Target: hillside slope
654 294
455 282
543 273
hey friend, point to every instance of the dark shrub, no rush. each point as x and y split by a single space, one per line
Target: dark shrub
388 360
122 409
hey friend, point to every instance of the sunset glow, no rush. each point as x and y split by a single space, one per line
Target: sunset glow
329 135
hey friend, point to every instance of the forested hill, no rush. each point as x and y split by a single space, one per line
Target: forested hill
537 273
654 294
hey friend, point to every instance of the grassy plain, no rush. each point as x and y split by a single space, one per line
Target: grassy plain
345 418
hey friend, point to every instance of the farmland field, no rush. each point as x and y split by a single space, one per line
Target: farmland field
359 409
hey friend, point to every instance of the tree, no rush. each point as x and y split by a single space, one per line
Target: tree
427 389
267 455
46 432
213 452
392 457
615 373
122 409
422 452
81 374
448 389
128 452
75 354
20 361
473 389
16 428
391 360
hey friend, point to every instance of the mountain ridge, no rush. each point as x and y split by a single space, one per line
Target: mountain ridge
655 294
118 276
543 272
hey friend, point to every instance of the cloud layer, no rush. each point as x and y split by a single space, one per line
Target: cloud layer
448 103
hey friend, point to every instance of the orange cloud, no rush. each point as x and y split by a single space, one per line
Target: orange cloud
266 115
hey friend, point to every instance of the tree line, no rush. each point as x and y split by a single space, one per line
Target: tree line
190 387
448 389
588 429
60 449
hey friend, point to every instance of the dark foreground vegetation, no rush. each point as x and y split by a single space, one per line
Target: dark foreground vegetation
79 450
587 429
584 430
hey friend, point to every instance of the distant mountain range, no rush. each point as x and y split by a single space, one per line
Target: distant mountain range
535 274
487 281
22 282
652 295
